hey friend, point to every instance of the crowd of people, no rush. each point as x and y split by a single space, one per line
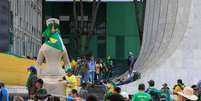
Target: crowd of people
35 86
37 92
92 70
97 72
179 92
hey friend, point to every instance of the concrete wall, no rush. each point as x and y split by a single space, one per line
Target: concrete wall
26 27
171 43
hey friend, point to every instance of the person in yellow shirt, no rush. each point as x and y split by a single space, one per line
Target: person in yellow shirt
74 64
71 81
178 87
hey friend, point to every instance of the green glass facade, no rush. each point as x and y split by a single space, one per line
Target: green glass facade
122 32
116 28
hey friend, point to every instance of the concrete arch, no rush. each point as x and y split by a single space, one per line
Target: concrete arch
170 48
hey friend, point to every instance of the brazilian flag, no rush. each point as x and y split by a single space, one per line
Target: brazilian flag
55 41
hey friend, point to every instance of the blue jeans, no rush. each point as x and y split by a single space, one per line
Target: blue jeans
92 76
98 77
85 78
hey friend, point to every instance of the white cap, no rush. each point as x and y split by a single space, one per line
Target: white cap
52 20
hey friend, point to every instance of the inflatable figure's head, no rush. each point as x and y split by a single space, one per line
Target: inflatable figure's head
52 27
52 34
52 20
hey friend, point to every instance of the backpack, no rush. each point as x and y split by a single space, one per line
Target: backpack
163 97
155 96
165 94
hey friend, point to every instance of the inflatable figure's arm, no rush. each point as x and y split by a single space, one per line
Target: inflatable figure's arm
40 58
66 59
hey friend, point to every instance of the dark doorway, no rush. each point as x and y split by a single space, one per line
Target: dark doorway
120 47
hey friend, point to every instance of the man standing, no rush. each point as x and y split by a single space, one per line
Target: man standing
141 95
109 64
92 69
4 94
130 63
84 70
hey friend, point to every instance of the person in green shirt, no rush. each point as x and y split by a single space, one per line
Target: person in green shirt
141 95
109 64
154 92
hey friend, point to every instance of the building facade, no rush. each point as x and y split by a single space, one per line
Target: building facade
4 25
25 27
116 32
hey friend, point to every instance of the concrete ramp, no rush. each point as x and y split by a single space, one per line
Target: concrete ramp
171 47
